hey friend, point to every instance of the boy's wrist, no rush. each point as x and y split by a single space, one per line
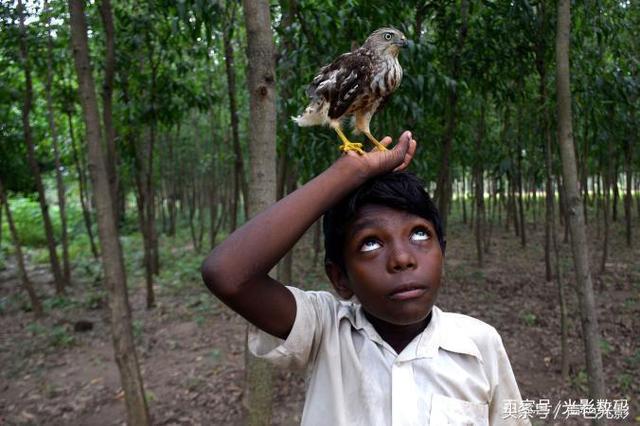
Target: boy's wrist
353 170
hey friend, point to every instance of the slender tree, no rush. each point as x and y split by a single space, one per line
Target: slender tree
31 151
36 305
443 187
106 16
111 251
584 286
56 152
239 184
262 184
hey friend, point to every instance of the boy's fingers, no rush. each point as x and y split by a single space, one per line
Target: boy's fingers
405 137
386 141
408 156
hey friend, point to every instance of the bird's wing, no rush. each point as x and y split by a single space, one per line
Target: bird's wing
342 81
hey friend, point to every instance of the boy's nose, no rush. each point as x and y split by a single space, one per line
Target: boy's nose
401 259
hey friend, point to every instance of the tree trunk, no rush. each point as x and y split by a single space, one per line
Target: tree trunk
638 197
613 184
262 149
523 222
112 259
628 193
36 306
192 213
541 68
56 151
514 206
285 267
606 186
463 198
584 286
33 162
171 201
598 205
493 201
107 114
584 177
564 325
549 221
82 186
443 185
142 203
150 195
239 185
479 189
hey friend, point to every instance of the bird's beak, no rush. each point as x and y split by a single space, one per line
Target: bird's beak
403 43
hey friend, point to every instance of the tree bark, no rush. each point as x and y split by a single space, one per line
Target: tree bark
628 194
564 324
142 203
150 147
523 221
606 186
31 153
463 198
36 305
584 286
262 191
56 152
613 184
443 185
82 186
112 260
541 68
479 190
107 115
239 185
549 222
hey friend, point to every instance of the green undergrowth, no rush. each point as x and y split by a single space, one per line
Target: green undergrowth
27 217
54 336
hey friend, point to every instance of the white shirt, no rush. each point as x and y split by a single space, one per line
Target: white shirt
456 372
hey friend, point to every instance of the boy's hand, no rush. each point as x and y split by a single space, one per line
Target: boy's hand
377 162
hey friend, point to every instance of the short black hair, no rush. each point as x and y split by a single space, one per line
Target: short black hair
399 190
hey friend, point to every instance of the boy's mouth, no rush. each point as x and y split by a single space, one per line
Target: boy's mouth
407 291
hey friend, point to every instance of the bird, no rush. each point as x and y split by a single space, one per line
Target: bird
356 84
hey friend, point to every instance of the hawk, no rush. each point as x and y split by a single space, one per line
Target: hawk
356 84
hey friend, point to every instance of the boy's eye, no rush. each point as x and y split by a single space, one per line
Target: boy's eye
370 245
419 235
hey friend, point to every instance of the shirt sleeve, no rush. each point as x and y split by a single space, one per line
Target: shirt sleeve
505 390
298 350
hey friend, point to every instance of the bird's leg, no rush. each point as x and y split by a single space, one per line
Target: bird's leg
348 145
361 123
375 141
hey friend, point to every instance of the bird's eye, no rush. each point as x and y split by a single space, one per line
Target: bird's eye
388 36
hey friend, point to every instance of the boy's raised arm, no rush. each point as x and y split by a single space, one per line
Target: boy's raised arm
237 270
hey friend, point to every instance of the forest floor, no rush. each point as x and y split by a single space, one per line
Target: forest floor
191 347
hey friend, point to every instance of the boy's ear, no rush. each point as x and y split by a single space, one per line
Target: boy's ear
338 279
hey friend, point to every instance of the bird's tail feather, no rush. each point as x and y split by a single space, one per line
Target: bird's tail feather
314 115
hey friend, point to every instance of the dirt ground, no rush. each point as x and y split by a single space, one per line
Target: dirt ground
191 348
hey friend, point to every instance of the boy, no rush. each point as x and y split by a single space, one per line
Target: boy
385 355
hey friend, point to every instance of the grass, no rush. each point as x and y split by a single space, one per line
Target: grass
55 336
529 319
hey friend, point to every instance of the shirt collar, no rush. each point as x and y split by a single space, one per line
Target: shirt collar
440 333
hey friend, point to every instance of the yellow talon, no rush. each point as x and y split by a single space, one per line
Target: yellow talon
347 145
351 146
375 141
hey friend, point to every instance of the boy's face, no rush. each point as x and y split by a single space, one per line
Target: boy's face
393 264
